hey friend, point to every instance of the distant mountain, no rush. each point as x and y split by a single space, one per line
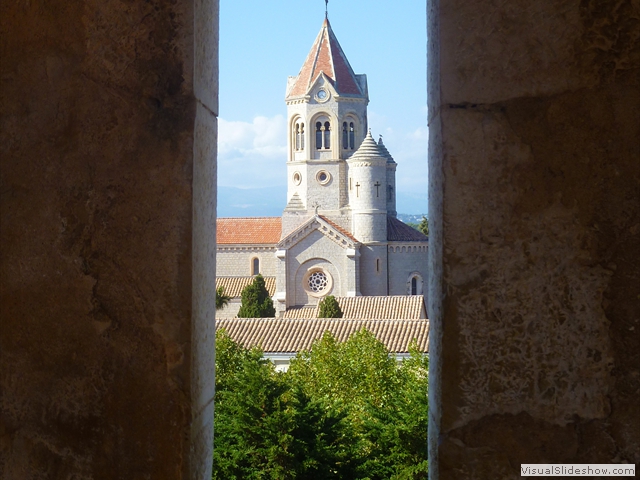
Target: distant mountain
413 218
412 203
270 202
251 202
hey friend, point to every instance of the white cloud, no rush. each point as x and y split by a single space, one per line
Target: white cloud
252 154
408 146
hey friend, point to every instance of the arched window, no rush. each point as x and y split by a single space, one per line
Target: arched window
255 266
352 136
298 134
414 286
327 135
345 136
377 264
318 136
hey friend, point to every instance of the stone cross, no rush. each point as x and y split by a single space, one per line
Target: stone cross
377 185
357 186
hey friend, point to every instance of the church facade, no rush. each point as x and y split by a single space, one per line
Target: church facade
338 234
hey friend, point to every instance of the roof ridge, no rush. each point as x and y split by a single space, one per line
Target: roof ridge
334 65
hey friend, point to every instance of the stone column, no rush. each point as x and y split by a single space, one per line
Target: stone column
107 194
534 234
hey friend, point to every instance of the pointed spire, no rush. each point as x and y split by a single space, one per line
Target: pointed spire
326 56
385 151
369 148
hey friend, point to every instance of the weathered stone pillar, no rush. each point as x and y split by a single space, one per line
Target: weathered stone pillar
107 192
535 234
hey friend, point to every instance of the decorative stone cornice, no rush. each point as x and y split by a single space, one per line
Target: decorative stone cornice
249 248
399 247
324 227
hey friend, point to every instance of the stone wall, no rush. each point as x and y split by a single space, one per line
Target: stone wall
237 262
107 240
406 259
308 253
373 270
535 234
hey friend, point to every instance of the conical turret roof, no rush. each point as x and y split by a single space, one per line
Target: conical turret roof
369 148
326 56
386 152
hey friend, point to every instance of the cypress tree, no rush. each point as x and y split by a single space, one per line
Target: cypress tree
329 308
256 302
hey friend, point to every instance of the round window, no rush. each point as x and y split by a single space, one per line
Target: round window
323 177
317 282
297 178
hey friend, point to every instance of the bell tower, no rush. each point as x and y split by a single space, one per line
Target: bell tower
327 122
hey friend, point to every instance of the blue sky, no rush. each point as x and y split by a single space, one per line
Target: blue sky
262 43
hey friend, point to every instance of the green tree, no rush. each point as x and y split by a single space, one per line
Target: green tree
329 308
256 302
385 401
413 225
398 433
343 410
264 428
424 226
222 300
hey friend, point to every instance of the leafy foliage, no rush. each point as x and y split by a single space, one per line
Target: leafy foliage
343 410
385 402
222 300
329 308
424 226
256 302
265 428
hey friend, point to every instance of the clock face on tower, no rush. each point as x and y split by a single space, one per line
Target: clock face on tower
322 95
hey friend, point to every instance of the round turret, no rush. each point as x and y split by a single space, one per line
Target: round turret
368 191
391 180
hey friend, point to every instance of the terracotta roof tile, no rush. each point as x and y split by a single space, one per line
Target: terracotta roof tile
381 307
282 335
301 312
343 231
326 56
398 231
233 286
260 230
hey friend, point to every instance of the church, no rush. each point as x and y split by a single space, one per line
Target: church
338 234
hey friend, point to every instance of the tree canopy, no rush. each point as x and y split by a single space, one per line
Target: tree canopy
422 227
256 302
343 410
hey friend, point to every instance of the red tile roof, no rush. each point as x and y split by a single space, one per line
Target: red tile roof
284 335
346 233
326 56
396 307
262 230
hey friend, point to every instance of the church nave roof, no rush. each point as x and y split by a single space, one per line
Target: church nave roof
248 231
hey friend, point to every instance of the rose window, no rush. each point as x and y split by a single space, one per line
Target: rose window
318 281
